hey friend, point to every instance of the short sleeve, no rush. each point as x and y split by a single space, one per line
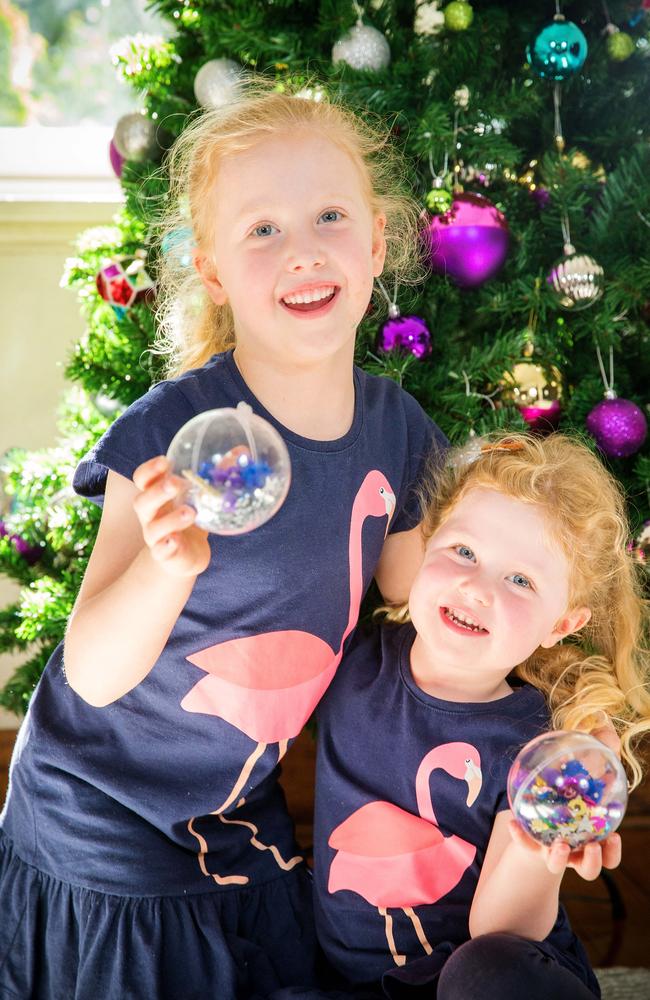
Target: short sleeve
426 450
143 431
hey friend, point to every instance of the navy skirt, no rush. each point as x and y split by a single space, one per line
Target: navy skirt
65 942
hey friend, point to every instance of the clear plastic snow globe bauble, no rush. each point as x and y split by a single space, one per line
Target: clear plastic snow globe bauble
237 469
567 786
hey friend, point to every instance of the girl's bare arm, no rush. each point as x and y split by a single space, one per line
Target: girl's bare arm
141 572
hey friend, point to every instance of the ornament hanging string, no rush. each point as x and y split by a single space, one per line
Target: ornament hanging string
393 308
557 123
566 233
608 383
445 167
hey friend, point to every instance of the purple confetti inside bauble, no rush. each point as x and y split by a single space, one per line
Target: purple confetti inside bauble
405 333
116 159
469 242
619 427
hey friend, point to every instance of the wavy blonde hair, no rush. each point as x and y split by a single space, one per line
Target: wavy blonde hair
606 669
190 326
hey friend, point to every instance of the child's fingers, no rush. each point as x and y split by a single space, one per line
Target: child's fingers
557 857
176 520
150 470
589 861
161 491
612 851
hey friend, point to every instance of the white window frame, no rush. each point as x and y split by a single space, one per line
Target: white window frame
57 164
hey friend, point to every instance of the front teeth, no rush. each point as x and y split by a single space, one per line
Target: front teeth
313 296
464 620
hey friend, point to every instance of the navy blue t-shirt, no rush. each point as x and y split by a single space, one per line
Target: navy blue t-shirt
131 798
407 789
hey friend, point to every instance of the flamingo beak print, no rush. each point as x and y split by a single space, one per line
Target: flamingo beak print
389 500
474 779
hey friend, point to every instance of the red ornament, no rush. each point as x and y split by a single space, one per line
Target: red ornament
123 281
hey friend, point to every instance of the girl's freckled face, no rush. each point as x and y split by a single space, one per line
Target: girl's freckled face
292 212
492 561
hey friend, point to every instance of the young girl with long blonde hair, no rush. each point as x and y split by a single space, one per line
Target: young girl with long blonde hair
526 613
146 846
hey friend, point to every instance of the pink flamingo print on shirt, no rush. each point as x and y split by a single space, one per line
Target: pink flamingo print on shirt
395 859
267 685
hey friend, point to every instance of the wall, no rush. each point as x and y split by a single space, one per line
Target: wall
40 322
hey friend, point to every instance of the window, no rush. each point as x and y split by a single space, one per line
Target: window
60 96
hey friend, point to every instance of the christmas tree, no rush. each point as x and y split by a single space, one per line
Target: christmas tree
526 131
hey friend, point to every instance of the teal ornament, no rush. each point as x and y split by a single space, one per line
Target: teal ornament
559 50
179 244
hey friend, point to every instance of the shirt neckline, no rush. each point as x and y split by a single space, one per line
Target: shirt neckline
308 444
510 704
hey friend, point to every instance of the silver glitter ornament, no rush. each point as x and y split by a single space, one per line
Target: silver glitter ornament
576 280
362 48
217 83
135 137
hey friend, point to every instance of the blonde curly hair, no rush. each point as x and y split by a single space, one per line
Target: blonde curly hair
191 328
605 670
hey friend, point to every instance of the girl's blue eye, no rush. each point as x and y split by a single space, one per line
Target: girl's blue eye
521 581
331 212
259 230
465 552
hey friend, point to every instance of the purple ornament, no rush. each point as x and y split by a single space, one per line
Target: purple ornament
30 553
116 159
469 242
541 196
619 427
405 333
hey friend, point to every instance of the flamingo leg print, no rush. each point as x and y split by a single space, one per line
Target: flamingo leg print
267 685
394 859
397 958
243 778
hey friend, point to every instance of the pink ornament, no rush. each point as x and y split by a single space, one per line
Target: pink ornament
542 418
618 425
117 160
469 242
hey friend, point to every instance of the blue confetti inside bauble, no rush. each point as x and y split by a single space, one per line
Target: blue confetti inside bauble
559 50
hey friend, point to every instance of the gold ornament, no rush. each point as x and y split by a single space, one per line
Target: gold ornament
532 384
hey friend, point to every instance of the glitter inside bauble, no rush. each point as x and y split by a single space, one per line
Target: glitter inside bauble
576 281
408 334
468 243
639 548
217 83
458 15
619 427
363 47
536 391
558 51
236 467
123 281
135 137
620 46
567 786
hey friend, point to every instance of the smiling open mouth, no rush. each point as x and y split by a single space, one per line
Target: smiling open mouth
463 621
310 301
